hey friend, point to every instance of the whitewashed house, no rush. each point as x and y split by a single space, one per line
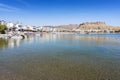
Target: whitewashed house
10 26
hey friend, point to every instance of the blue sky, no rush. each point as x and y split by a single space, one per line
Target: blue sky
58 12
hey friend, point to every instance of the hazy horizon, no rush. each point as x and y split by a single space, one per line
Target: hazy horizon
60 12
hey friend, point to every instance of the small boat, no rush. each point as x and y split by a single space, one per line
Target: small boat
84 32
53 33
16 37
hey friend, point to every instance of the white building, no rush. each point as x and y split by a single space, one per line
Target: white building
10 25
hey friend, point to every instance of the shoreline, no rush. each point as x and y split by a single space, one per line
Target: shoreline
24 34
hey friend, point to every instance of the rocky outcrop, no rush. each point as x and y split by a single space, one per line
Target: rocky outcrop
93 26
97 26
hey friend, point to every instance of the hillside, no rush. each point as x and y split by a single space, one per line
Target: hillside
97 26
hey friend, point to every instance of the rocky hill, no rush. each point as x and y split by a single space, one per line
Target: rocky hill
97 26
87 26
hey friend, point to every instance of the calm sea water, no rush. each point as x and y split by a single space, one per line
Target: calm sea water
61 57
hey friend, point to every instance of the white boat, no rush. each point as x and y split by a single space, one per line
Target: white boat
83 32
16 37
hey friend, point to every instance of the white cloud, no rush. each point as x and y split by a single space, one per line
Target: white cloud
4 7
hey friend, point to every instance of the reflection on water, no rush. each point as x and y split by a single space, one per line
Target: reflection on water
67 37
3 43
61 57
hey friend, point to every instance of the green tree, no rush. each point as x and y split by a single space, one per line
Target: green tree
3 28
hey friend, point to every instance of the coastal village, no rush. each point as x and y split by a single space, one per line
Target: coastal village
14 30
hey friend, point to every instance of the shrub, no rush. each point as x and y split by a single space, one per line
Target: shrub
3 28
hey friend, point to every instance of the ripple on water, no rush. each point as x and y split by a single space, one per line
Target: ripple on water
61 57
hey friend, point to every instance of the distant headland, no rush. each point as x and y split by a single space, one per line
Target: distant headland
91 27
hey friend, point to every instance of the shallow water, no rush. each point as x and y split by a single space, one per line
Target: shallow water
61 57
